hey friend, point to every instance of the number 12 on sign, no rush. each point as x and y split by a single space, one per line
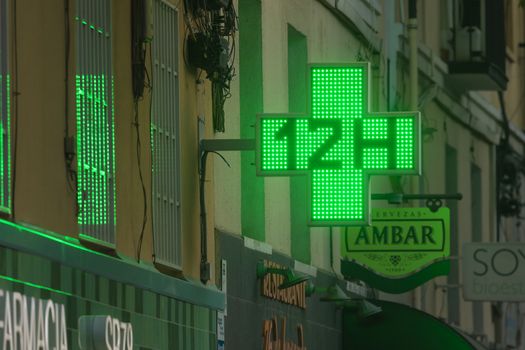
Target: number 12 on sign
338 144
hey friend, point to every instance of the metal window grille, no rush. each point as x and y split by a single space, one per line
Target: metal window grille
5 114
95 124
165 136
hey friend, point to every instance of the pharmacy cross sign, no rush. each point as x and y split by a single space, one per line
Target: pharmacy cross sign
338 144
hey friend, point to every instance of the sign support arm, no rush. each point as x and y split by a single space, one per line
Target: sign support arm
433 201
214 146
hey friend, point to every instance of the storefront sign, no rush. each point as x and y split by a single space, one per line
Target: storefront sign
31 323
339 144
273 339
494 271
104 333
294 295
401 242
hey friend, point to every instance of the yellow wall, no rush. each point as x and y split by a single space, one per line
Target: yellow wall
42 196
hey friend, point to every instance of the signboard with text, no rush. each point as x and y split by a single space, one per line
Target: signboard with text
399 250
338 144
494 271
28 322
294 295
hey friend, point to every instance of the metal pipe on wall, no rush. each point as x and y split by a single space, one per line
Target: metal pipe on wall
413 91
412 43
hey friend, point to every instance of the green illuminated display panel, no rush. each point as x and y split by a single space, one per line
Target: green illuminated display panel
339 144
95 139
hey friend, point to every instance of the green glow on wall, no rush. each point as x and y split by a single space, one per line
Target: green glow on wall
339 144
8 132
2 150
113 187
95 151
5 144
66 240
34 285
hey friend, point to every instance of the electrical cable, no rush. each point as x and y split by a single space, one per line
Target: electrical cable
203 223
332 250
202 203
150 88
212 48
144 196
138 53
69 154
147 84
206 29
140 80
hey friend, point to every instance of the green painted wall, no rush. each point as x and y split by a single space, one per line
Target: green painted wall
251 103
297 103
159 322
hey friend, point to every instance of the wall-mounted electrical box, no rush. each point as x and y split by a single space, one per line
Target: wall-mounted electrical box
478 56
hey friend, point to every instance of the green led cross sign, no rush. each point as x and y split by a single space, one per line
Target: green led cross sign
339 144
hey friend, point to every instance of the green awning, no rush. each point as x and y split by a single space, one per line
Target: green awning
401 327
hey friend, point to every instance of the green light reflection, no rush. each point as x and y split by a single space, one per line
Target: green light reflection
34 285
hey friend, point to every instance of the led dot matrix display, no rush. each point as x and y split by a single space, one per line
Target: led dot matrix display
5 110
94 142
95 121
339 144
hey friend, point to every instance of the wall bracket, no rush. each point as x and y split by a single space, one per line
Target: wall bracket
205 147
433 201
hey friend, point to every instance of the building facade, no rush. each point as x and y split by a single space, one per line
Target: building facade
472 116
126 223
92 164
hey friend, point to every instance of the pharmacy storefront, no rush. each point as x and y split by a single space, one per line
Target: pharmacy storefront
57 295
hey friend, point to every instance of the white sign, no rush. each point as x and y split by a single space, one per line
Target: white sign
28 323
220 329
220 325
104 333
494 271
224 284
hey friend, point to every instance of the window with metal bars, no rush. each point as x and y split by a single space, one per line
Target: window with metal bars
94 122
5 113
165 136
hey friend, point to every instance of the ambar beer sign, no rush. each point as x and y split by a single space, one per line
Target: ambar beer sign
403 248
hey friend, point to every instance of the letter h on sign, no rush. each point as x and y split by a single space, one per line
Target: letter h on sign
339 144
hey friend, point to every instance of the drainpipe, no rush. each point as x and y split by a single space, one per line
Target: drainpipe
413 90
412 43
393 31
